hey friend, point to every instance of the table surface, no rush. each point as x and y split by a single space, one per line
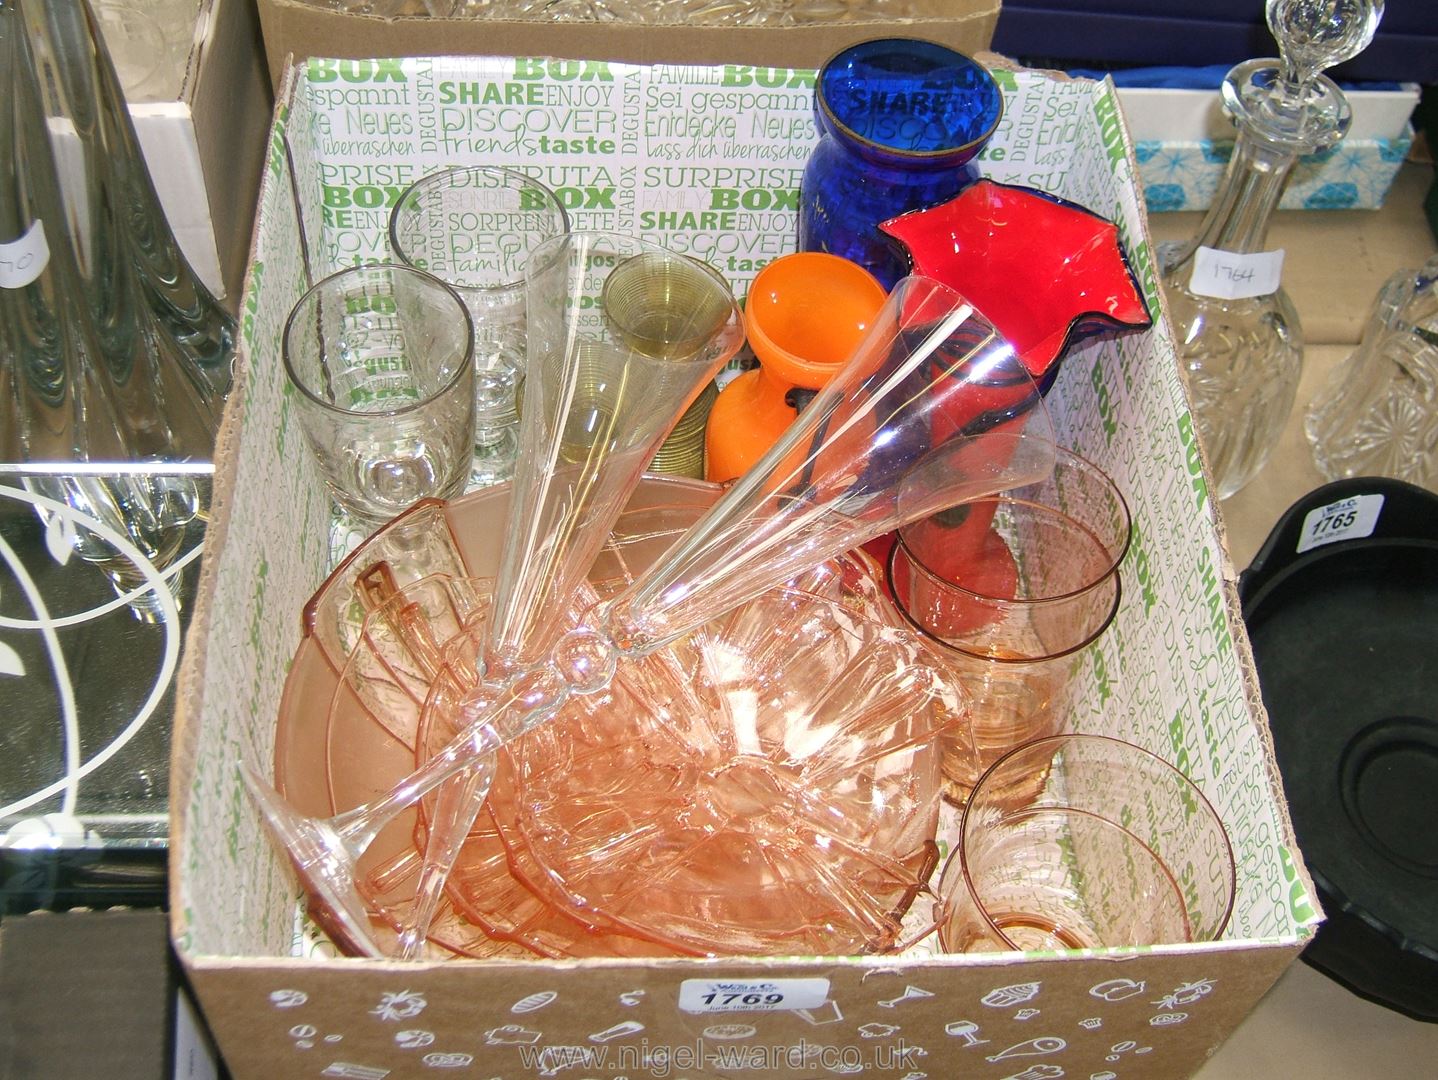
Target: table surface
1335 263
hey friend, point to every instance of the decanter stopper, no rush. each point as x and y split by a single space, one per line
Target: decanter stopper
1289 101
1315 35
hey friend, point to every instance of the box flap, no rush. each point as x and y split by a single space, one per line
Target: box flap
230 98
296 29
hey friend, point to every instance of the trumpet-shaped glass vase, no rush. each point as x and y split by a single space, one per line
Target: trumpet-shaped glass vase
600 397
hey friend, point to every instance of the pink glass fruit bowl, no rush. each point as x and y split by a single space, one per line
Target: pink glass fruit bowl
1046 272
769 783
769 791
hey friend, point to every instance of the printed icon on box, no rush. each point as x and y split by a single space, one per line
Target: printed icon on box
1026 1014
1117 989
452 1060
915 1076
511 1035
1044 1044
533 1002
618 1031
847 1068
414 1039
1005 996
1093 1023
304 1031
400 1005
631 998
1117 1050
911 993
966 1030
1186 994
288 999
827 1013
730 1031
333 1038
1168 1019
1043 1071
877 1031
874 972
1105 1075
349 1071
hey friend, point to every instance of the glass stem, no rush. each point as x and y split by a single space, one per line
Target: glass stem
499 724
456 807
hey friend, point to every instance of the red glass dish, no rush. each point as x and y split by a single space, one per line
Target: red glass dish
1046 272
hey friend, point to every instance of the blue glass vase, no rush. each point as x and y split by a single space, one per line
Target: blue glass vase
900 122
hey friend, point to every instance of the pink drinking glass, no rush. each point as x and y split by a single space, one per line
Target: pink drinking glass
1115 848
1008 590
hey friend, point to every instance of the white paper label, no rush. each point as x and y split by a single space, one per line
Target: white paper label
22 260
194 1060
751 995
1348 519
1228 275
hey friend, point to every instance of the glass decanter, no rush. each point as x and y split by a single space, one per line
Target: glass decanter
1240 345
1378 415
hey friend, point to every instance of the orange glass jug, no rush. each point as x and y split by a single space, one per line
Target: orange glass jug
805 315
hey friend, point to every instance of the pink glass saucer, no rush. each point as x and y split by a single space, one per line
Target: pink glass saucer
483 888
1043 270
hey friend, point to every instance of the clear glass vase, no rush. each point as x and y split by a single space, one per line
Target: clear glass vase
90 376
1240 345
167 384
1378 415
54 405
112 196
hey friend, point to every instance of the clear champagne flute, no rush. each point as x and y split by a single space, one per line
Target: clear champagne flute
600 395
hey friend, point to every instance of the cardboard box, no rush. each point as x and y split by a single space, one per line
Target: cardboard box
205 150
297 29
1183 143
1173 673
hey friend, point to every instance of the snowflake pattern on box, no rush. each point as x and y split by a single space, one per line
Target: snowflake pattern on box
1354 175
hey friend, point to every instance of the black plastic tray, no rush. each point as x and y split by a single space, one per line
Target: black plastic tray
1345 639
